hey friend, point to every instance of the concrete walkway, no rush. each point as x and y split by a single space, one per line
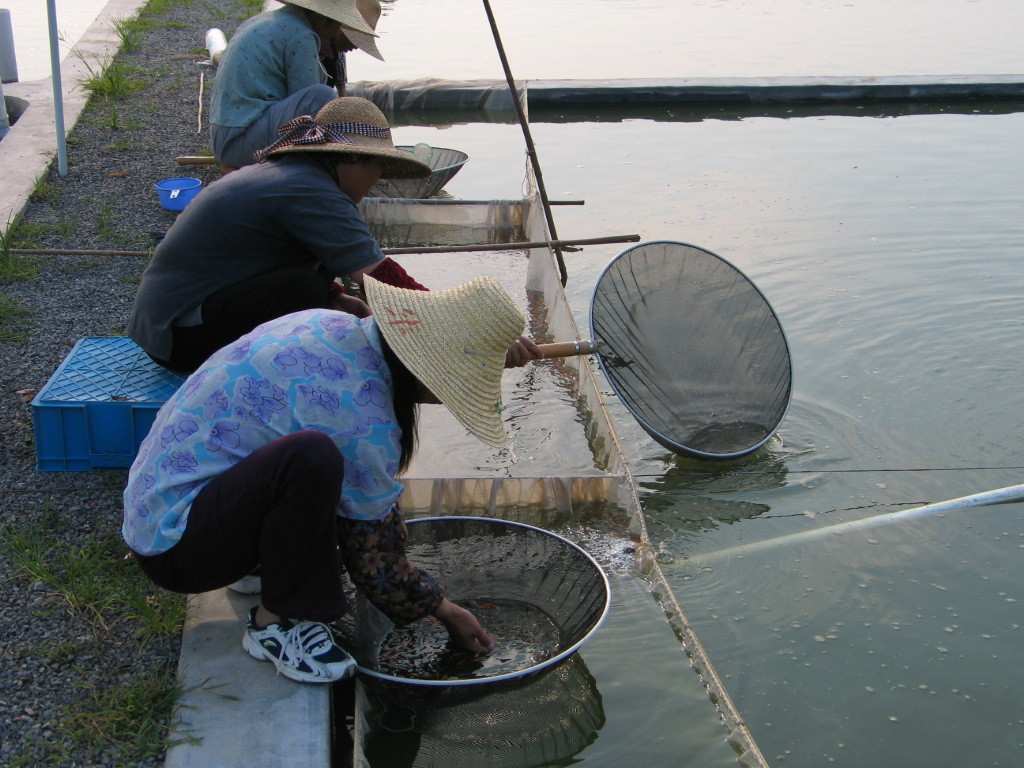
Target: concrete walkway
238 712
31 144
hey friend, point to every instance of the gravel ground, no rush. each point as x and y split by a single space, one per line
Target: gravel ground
55 660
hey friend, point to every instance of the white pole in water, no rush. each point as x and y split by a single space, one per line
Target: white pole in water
999 496
58 95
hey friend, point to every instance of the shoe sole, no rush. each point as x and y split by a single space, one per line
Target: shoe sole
257 651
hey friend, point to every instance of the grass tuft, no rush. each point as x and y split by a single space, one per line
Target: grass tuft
95 579
13 266
130 30
131 719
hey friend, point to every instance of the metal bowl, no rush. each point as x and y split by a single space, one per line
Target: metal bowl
445 164
488 560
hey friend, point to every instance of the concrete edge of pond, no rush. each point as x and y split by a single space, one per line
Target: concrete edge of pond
237 712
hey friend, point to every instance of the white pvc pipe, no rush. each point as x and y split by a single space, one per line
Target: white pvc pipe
999 496
58 90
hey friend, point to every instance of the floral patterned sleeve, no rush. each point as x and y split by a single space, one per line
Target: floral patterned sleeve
373 552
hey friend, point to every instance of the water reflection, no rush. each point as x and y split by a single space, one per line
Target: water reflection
546 722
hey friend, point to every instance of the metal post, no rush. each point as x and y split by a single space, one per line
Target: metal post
58 91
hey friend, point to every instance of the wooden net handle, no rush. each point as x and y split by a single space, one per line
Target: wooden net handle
570 348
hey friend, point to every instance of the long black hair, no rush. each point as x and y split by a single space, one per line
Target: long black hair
405 390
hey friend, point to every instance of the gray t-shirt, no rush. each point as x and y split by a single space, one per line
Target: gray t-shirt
283 213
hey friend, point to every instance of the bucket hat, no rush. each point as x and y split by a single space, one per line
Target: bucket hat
345 12
454 341
347 125
370 11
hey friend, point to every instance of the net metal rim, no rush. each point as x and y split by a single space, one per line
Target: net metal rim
518 674
459 157
664 440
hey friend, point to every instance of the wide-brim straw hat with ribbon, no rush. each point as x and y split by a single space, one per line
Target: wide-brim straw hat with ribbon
454 341
348 125
345 12
370 11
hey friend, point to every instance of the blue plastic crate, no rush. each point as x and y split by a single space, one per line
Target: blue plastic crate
99 405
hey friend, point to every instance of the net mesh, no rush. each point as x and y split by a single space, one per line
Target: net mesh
692 348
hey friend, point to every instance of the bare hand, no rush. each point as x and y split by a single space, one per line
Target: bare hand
522 351
354 306
464 628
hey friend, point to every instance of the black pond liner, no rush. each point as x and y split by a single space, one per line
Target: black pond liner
498 560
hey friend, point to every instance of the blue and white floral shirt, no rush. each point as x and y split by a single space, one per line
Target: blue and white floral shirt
316 369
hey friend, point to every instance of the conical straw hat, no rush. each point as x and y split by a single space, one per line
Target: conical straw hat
454 341
370 11
345 12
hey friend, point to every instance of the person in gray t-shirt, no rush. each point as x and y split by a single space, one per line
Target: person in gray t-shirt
270 239
281 64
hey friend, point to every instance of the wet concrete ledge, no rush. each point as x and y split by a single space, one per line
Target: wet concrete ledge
237 712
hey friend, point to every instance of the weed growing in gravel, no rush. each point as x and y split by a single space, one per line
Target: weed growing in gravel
27 234
119 724
135 717
106 221
65 227
13 266
114 80
157 7
95 579
250 7
45 191
216 12
129 31
13 322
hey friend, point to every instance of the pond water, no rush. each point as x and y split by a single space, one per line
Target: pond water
889 242
696 38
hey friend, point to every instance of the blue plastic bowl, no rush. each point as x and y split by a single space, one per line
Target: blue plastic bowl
175 194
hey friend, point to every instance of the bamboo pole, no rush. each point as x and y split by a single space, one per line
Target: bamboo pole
509 246
531 150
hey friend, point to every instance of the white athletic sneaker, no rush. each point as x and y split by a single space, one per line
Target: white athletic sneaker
302 650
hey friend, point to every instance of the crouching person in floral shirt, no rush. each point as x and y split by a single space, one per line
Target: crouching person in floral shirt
282 453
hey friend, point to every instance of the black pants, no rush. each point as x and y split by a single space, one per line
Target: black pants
234 311
276 509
